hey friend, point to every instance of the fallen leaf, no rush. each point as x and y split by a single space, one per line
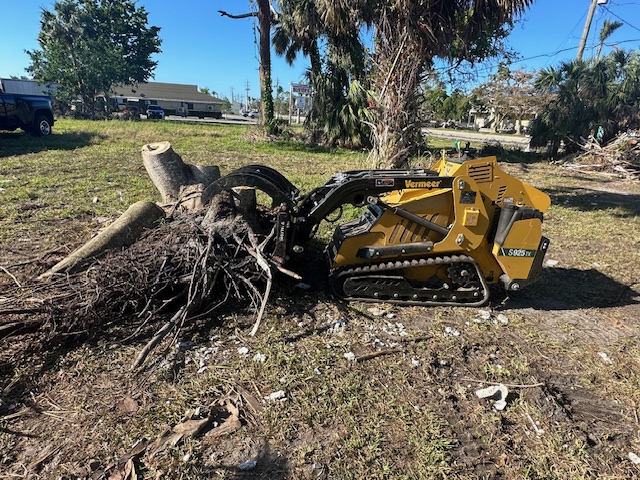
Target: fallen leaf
230 424
191 428
126 406
251 400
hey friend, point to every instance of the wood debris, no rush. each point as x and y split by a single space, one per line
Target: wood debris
619 157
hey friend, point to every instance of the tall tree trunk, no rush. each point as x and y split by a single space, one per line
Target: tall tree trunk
266 89
399 61
311 120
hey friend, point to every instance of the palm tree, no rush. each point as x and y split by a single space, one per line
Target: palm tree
336 98
409 35
587 95
265 13
607 29
298 32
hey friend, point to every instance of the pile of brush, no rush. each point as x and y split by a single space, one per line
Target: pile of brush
619 157
194 260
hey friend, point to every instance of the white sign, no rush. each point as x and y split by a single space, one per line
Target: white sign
300 88
301 103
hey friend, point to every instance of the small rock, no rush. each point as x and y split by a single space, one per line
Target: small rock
248 465
259 357
635 459
502 318
337 325
376 312
350 356
95 200
243 351
279 395
450 331
182 346
551 263
484 314
605 358
495 392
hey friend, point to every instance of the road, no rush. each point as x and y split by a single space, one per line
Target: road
226 118
521 141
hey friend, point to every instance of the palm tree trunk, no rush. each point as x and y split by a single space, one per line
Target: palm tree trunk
399 65
266 89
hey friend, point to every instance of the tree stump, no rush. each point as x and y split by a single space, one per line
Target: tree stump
177 182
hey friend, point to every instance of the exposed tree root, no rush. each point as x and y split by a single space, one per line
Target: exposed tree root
185 269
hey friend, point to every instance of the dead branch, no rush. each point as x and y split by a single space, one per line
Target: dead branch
236 17
7 272
380 353
157 338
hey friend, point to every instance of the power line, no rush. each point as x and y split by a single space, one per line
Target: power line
622 19
567 49
570 34
489 67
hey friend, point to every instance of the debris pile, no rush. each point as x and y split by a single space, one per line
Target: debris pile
196 260
620 157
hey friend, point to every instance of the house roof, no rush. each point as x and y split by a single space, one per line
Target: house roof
166 91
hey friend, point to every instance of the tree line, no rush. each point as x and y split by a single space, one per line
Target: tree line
375 95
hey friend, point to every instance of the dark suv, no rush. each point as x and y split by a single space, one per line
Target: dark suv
155 111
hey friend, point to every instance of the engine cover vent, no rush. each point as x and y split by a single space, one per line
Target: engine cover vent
501 192
481 173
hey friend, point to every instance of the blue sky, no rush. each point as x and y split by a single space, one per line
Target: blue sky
200 47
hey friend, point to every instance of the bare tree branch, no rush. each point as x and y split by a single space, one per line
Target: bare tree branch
244 15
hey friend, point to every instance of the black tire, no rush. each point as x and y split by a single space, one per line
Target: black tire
41 126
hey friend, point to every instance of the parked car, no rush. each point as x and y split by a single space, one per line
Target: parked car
31 113
509 128
155 111
254 113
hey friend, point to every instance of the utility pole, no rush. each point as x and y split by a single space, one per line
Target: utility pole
587 27
246 105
